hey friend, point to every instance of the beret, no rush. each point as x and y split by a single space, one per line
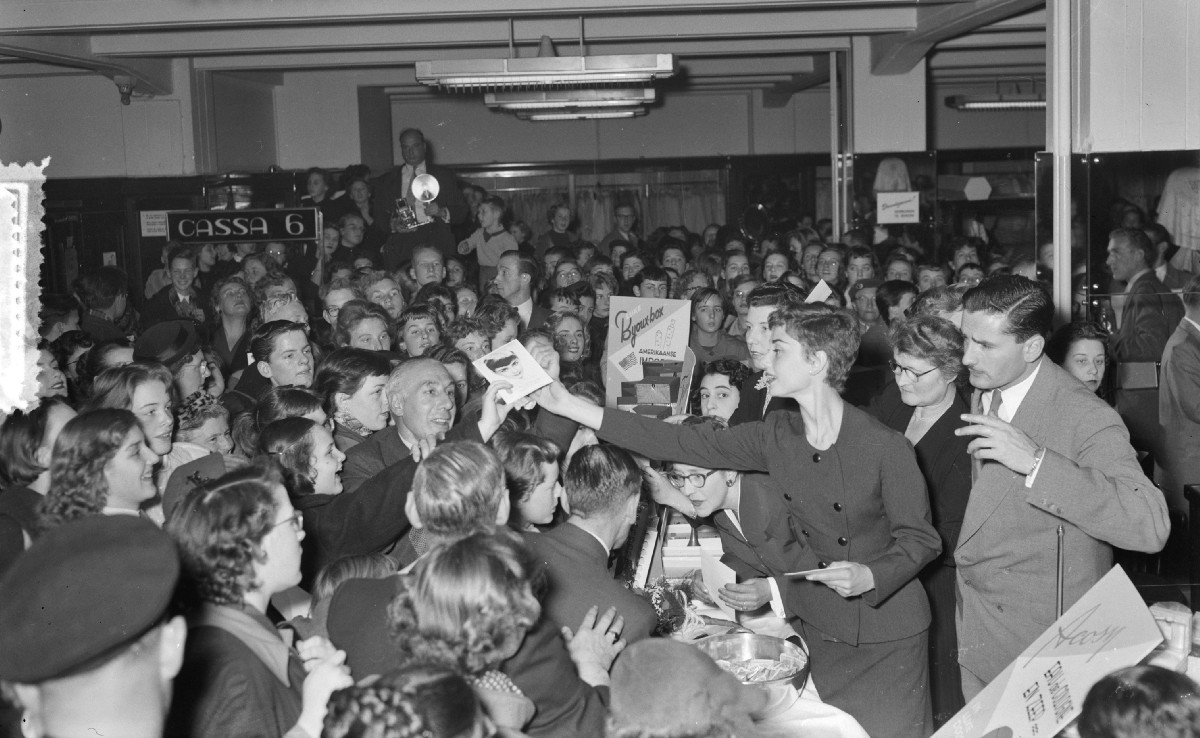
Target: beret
81 591
188 476
167 342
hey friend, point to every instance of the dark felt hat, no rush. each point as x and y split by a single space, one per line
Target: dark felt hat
863 284
188 476
167 342
83 591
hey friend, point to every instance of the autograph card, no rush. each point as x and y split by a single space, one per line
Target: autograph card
513 364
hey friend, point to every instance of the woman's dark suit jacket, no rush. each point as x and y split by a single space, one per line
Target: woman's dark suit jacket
861 500
943 459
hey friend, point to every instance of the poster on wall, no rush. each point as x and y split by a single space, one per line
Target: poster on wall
897 207
648 366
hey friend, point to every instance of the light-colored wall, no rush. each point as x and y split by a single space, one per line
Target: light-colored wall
971 129
1139 75
79 121
317 116
888 112
464 131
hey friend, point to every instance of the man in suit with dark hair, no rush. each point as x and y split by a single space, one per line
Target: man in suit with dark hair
603 486
763 300
1049 456
1179 401
516 277
435 219
1145 314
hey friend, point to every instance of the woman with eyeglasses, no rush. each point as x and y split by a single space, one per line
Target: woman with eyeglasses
854 520
925 404
239 539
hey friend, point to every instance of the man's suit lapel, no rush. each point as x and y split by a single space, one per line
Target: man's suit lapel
994 482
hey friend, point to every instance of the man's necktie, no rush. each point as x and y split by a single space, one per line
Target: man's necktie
994 412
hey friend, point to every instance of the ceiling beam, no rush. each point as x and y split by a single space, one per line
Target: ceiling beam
489 37
781 93
87 16
149 76
899 53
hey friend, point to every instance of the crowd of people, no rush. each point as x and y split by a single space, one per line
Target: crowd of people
279 499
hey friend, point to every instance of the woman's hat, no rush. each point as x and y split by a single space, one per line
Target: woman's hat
167 342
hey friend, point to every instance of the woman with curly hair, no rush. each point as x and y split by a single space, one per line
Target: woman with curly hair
100 465
468 607
275 404
417 701
720 390
336 525
26 443
419 328
239 540
363 325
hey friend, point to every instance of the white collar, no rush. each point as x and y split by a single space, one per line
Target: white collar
1013 396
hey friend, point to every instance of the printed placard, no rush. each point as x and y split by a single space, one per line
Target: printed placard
154 223
512 363
897 207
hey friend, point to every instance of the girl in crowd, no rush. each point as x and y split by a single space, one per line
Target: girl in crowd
381 289
739 294
26 440
239 539
470 336
531 472
893 298
275 404
456 272
866 624
229 334
559 217
688 283
144 388
466 381
502 319
104 355
440 297
831 267
468 608
720 387
419 329
206 426
1082 349
775 264
708 341
51 381
254 268
100 465
925 404
69 349
363 325
416 701
574 348
466 296
352 381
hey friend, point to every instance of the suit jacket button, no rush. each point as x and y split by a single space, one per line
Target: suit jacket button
804 532
816 458
843 541
837 506
787 496
822 564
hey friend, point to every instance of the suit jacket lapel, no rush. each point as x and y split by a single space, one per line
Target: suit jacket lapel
994 482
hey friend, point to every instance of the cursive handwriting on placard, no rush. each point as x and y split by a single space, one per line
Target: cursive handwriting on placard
1076 633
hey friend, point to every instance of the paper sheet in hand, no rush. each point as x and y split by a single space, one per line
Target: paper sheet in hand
820 293
717 575
513 364
1107 629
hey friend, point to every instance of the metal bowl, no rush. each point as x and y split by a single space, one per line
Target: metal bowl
745 646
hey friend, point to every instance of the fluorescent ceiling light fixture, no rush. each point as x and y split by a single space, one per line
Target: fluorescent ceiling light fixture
545 72
1015 101
599 114
570 99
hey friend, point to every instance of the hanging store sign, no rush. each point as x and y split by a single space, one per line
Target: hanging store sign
244 226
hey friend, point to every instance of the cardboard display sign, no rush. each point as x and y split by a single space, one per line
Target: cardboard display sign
898 207
648 365
1109 628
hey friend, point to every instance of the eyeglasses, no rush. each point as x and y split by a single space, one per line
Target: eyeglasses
296 519
698 480
910 373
